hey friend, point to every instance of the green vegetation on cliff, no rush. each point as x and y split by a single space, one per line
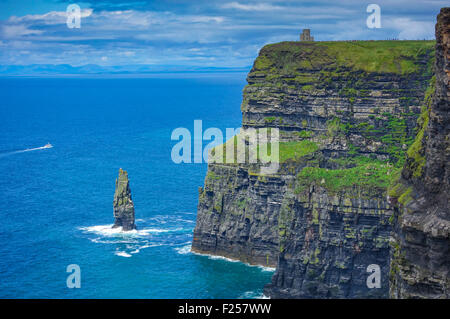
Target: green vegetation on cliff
288 151
296 149
372 87
367 177
355 72
415 155
416 151
289 58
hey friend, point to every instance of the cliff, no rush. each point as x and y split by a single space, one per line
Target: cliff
346 112
123 205
420 265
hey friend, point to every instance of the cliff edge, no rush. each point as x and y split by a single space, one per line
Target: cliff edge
420 265
346 113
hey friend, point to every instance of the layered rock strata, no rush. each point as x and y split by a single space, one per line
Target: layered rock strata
420 265
123 204
347 113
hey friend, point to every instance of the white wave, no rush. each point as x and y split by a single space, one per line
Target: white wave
135 241
137 248
102 240
185 220
154 245
107 230
253 295
122 254
223 258
264 268
184 250
147 231
215 257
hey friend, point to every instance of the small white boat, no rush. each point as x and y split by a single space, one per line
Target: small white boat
48 145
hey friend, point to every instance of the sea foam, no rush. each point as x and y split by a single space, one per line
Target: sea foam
253 295
122 254
187 250
107 230
184 250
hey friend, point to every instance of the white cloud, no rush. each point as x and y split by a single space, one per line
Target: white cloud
127 53
409 29
206 19
19 30
52 17
251 7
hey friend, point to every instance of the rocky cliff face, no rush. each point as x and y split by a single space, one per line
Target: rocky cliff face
420 265
123 205
346 112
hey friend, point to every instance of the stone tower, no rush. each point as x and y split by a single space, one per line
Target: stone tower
306 35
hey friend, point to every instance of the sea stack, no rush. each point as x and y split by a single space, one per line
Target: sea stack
123 205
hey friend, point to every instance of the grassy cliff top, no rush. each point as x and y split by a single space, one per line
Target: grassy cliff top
399 57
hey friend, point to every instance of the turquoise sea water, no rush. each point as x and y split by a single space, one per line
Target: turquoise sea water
57 203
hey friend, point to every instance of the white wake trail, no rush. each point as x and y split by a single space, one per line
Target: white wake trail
46 146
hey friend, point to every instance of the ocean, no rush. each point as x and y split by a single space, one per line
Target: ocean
57 203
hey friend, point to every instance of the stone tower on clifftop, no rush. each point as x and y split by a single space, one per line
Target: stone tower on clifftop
123 205
306 35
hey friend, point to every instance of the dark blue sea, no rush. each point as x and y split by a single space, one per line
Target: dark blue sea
56 203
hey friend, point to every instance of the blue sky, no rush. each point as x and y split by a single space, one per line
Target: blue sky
205 33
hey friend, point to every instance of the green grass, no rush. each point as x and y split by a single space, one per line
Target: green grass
304 134
212 175
400 57
269 119
296 149
368 178
292 150
380 56
307 88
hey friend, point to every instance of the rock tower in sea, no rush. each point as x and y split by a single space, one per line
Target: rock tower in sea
123 205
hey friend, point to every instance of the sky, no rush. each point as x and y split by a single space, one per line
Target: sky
206 33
